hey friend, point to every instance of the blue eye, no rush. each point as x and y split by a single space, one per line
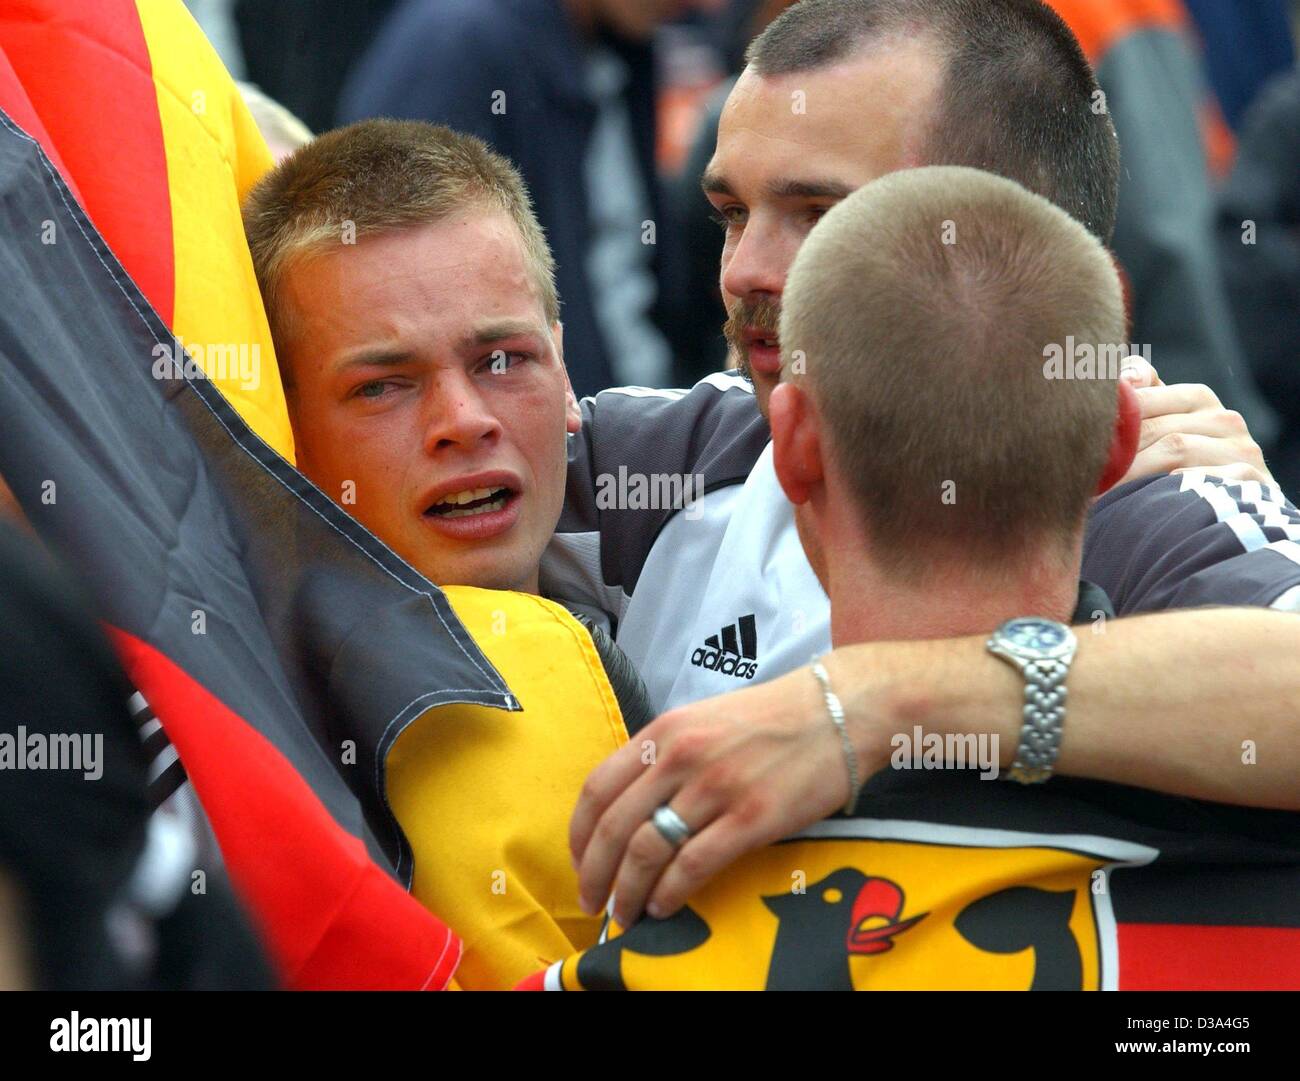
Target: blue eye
372 390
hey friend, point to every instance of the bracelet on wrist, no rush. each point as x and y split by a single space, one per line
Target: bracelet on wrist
836 711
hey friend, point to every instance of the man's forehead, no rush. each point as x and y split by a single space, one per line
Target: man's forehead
481 243
403 307
849 121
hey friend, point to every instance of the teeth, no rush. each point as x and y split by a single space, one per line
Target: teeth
467 496
487 508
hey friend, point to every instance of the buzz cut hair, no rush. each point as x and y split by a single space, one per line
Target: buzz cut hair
923 309
1017 96
374 176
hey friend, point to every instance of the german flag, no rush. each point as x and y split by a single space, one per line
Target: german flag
908 904
145 436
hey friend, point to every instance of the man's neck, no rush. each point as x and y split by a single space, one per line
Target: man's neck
946 602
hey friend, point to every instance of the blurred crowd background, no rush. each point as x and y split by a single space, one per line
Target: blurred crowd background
610 108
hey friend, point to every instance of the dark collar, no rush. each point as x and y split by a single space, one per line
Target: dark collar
1092 599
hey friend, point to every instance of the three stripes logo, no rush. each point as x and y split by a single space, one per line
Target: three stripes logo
733 651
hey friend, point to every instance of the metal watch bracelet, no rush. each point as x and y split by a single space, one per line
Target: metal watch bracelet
1044 716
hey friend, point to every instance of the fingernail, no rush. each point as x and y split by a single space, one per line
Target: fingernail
1128 373
655 910
585 904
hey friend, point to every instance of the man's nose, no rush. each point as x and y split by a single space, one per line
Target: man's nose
458 414
758 263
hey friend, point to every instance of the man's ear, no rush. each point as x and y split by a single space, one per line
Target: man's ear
1124 441
796 442
572 414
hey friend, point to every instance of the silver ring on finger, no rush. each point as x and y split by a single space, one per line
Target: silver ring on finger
670 826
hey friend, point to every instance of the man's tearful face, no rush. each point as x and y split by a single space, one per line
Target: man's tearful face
428 395
789 148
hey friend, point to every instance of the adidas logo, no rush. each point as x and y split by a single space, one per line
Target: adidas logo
729 652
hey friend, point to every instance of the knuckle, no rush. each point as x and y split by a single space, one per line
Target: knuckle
606 833
1234 422
663 724
688 748
645 850
693 862
1174 445
592 791
720 777
750 812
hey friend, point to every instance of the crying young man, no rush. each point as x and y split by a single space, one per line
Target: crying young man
411 299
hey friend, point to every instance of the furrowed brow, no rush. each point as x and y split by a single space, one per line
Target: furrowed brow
381 358
789 188
500 330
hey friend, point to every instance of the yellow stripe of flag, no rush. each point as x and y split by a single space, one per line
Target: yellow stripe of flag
214 156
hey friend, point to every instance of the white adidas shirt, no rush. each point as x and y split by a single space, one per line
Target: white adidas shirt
741 560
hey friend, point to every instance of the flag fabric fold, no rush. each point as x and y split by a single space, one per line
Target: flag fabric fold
282 646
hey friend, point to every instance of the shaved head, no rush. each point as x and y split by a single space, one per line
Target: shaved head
918 315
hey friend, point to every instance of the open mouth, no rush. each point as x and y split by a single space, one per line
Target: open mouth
470 502
763 353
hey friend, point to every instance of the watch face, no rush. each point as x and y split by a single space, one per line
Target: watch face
1035 635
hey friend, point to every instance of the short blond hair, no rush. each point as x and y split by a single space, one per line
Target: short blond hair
374 176
922 309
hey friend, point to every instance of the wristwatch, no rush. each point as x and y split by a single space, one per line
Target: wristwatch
1042 650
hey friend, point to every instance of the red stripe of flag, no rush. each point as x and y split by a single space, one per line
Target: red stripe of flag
14 102
1181 957
87 73
285 852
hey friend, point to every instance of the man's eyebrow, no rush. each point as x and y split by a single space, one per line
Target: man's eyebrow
499 330
715 184
809 189
486 334
375 358
782 188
